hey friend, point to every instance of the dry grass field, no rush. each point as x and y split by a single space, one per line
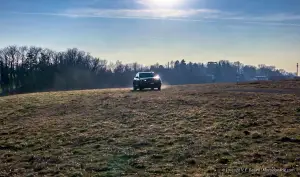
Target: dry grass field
250 129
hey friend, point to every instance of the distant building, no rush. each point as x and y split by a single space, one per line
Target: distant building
212 63
261 78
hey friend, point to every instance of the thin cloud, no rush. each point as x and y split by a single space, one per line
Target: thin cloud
192 15
112 17
265 18
181 13
160 3
278 17
143 13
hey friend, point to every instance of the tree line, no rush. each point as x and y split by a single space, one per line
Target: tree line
32 69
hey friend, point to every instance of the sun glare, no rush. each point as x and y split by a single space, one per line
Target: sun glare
165 3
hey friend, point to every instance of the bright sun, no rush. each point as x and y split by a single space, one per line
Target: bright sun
165 3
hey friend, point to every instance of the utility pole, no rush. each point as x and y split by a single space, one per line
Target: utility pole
297 69
238 73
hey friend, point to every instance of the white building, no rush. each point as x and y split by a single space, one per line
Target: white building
261 78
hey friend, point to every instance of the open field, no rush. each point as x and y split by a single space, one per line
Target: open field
191 130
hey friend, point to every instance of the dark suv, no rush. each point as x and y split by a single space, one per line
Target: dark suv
146 80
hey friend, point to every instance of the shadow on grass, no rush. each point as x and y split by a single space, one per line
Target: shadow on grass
146 90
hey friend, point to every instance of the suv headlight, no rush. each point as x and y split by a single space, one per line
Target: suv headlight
157 77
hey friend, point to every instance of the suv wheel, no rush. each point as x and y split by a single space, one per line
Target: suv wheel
159 88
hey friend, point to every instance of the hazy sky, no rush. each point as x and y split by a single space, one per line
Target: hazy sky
149 31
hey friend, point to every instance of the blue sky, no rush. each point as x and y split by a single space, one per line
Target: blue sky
149 31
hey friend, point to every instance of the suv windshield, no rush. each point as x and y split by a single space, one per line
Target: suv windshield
144 75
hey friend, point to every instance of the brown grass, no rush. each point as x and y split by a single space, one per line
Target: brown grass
191 130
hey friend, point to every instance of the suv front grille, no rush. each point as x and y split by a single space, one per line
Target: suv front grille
148 80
